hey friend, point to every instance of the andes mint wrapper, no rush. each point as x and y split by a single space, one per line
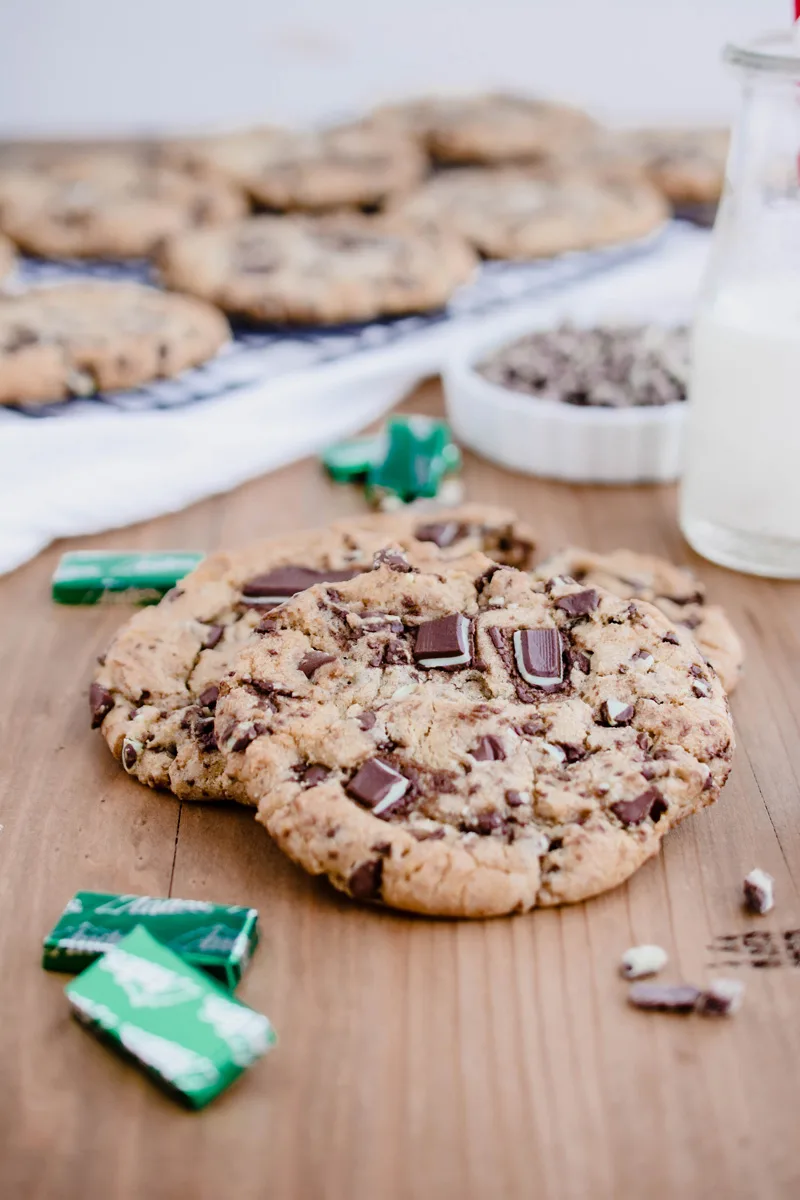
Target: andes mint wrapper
88 576
218 938
350 461
420 453
174 1021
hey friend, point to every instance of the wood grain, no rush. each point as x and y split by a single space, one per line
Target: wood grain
417 1059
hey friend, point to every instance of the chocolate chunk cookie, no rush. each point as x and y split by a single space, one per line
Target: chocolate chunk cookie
80 338
326 270
517 213
675 590
471 742
345 166
612 366
687 165
108 206
495 128
154 694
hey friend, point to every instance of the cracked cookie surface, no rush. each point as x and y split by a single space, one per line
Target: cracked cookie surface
675 590
470 742
518 213
326 270
79 338
107 206
154 693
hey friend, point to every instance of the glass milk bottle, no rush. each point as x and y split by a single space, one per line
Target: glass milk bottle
740 498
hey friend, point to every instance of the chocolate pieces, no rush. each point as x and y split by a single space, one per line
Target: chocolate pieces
538 655
275 587
664 997
649 803
378 786
579 604
444 642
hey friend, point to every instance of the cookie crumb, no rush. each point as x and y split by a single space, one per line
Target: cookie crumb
759 891
643 960
722 998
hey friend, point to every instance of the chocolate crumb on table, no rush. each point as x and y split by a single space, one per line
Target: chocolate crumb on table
759 891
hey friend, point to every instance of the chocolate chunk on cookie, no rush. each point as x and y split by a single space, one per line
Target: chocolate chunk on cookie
327 270
158 684
107 205
675 590
542 767
81 338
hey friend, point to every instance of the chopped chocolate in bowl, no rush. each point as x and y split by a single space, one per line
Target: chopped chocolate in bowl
623 366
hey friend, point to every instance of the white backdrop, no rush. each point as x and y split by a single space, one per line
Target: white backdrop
96 66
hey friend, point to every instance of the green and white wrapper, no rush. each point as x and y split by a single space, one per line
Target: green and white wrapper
175 1022
218 938
88 576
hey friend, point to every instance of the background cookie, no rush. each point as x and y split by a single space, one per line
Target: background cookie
675 590
154 694
493 128
107 206
224 154
687 165
347 165
468 742
80 338
324 270
516 213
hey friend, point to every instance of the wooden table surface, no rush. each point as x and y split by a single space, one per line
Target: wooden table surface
418 1058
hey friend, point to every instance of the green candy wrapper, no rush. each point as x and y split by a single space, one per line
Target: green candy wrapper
218 938
86 576
179 1025
420 453
408 461
348 462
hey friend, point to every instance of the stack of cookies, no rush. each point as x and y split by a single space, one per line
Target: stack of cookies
381 217
420 714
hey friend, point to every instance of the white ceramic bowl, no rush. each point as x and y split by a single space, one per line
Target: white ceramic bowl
547 437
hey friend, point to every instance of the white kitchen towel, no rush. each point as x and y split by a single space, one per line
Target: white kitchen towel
96 464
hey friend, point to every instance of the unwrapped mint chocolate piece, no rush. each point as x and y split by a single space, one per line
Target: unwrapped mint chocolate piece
179 1025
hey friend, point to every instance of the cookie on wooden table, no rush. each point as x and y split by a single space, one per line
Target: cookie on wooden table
494 128
318 270
344 166
675 590
80 338
471 742
518 213
153 696
108 205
